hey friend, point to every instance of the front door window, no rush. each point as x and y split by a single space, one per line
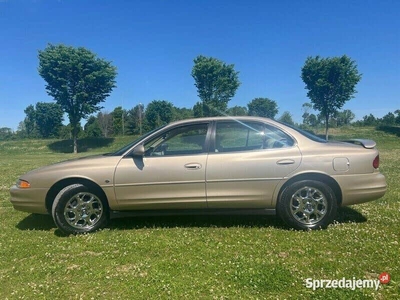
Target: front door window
185 140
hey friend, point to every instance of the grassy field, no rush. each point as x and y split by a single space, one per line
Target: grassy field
196 257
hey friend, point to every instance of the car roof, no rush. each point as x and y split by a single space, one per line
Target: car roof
227 118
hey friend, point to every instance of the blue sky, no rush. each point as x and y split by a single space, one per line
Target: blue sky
153 44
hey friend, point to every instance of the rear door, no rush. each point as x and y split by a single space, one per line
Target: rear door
246 161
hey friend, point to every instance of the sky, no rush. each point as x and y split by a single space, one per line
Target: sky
153 45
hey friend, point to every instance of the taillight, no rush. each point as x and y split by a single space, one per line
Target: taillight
375 163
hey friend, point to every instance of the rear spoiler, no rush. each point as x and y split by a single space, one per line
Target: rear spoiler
368 144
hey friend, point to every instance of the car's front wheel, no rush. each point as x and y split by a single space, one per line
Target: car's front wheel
77 209
307 204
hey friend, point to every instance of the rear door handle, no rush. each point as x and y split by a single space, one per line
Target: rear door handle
285 162
193 166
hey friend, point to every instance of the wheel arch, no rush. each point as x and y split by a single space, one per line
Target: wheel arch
317 177
59 185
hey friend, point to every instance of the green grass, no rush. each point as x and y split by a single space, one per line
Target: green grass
226 257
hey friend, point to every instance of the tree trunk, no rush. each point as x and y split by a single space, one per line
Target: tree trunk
326 126
75 136
75 144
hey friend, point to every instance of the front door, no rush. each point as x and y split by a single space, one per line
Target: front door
171 174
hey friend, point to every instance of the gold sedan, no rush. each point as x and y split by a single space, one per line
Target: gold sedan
208 166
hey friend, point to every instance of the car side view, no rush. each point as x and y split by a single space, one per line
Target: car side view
208 166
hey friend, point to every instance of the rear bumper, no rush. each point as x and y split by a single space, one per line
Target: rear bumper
30 200
361 188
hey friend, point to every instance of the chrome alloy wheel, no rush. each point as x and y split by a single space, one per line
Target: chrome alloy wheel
83 210
308 205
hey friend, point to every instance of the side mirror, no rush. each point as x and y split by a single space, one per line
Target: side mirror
138 150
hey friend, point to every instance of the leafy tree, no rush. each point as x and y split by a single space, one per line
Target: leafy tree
29 121
397 112
182 113
216 84
104 120
369 120
158 112
6 133
42 120
345 117
21 131
334 120
198 111
263 107
286 118
48 119
118 115
306 107
65 132
330 83
135 119
389 119
314 120
92 128
237 111
77 79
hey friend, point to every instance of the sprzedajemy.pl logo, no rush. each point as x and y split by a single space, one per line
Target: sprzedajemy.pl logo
384 278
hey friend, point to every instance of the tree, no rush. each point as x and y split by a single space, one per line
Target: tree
104 119
21 131
198 111
134 119
263 107
48 119
306 107
314 120
389 119
182 113
77 80
286 118
369 120
345 117
29 121
158 112
92 128
397 112
330 83
216 84
118 126
6 133
65 132
237 111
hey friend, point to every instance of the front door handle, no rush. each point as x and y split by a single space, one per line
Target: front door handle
285 162
193 166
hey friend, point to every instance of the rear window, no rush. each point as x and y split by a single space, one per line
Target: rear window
307 134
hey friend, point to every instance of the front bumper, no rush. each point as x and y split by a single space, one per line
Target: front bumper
29 200
361 188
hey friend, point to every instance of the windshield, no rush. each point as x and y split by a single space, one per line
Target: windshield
130 145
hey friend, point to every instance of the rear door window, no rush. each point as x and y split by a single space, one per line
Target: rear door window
248 136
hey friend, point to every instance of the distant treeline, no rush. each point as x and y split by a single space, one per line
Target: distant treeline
45 120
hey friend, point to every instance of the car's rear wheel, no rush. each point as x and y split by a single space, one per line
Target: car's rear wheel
307 204
77 209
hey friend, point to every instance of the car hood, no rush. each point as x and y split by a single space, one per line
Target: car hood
75 162
98 168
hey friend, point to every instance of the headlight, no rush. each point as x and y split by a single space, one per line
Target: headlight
23 184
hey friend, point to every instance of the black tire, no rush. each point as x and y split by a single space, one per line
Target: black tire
307 204
77 209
